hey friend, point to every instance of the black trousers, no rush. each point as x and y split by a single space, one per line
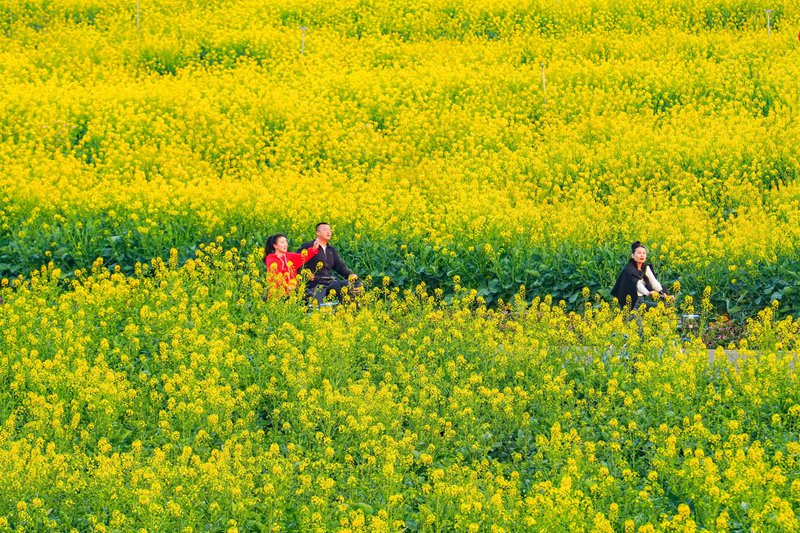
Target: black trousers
321 291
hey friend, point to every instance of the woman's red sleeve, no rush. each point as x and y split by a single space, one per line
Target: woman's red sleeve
298 259
270 260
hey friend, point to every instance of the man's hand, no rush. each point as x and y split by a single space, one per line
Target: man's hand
315 246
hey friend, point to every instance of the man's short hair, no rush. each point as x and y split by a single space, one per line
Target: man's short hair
321 224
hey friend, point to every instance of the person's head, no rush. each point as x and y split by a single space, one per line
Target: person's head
324 232
276 243
638 252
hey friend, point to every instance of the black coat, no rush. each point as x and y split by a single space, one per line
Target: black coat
324 264
625 287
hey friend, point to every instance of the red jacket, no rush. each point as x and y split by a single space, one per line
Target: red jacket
282 271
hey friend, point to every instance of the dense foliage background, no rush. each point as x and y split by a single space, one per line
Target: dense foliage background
421 131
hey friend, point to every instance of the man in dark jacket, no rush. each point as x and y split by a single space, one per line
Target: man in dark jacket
324 264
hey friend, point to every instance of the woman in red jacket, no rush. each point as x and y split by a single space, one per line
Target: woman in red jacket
282 265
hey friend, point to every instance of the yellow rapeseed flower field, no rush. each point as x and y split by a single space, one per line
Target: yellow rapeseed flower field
127 133
179 399
489 163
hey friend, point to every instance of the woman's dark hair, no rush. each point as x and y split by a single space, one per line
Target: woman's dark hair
269 247
636 245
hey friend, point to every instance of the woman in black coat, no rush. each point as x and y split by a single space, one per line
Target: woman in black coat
637 281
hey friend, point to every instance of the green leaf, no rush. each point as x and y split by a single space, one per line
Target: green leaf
364 507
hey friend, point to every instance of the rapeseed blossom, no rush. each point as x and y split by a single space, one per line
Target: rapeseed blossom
428 121
276 416
148 384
